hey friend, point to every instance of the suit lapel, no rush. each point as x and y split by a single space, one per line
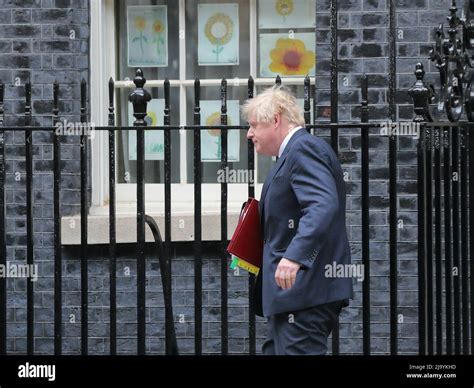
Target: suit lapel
271 174
265 187
274 170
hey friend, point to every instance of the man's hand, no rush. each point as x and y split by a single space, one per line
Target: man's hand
285 274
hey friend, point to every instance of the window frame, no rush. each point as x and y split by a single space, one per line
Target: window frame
103 66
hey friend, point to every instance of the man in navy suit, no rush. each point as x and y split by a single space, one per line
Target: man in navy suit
302 210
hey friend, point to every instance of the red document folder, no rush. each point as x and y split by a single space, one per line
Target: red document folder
246 243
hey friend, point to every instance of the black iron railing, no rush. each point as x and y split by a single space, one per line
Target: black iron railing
446 189
444 151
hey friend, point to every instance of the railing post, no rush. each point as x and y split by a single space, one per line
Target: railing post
139 99
57 226
197 222
251 194
84 266
29 220
464 240
3 248
421 96
224 241
448 272
456 238
112 223
393 199
307 97
365 216
471 229
333 7
421 203
167 285
438 240
427 132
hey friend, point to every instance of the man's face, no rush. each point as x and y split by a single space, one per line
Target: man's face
264 136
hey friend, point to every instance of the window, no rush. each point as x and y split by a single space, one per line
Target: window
182 40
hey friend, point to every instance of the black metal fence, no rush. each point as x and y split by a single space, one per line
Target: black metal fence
445 216
446 190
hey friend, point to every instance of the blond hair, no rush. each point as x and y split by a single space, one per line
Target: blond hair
272 101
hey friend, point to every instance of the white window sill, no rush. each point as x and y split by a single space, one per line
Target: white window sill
182 223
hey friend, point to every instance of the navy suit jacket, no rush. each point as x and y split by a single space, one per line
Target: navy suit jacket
302 210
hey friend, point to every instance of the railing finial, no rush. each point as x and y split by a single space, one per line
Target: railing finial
422 95
139 98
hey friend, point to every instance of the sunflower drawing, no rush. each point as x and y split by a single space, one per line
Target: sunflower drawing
290 57
158 27
140 25
219 30
158 30
151 119
284 8
215 119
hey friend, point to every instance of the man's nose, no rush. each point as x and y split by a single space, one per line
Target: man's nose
250 133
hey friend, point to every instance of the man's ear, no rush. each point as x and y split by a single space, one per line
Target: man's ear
277 120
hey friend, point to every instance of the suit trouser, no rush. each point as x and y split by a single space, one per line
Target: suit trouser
302 332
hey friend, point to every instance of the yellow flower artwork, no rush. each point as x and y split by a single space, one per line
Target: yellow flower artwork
140 25
158 30
158 27
284 8
286 14
219 29
218 34
147 33
285 56
211 142
154 139
290 57
215 119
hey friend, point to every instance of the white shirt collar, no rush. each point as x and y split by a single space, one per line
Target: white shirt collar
286 140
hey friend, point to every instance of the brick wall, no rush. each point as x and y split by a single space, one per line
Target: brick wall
40 41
